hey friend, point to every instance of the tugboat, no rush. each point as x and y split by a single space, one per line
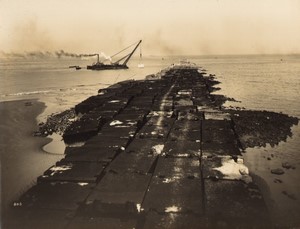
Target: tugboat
75 66
115 65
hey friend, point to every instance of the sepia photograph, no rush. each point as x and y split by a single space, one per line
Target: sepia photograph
140 114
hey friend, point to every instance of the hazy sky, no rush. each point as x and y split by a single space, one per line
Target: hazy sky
166 26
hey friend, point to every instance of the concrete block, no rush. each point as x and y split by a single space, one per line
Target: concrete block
181 149
185 125
214 148
180 195
175 168
56 195
154 132
235 204
145 146
132 162
154 220
82 129
85 172
160 121
102 222
120 188
90 154
182 135
42 218
91 103
108 141
190 116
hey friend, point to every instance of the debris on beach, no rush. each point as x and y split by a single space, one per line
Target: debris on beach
287 165
28 104
291 196
276 180
277 171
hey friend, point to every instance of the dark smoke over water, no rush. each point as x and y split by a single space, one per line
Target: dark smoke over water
44 55
62 53
28 55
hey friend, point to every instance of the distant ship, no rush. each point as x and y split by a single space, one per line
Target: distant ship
75 66
116 65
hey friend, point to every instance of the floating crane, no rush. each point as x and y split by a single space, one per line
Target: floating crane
117 64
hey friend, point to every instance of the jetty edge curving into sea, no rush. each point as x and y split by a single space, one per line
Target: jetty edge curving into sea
156 153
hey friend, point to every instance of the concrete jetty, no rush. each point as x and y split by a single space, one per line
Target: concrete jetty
157 153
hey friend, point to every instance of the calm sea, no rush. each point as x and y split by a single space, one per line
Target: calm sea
270 82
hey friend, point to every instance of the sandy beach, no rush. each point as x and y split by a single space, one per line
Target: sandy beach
22 157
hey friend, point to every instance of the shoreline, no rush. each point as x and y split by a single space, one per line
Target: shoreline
22 154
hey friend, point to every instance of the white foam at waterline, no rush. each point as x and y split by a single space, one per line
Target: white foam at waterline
172 209
167 180
76 144
114 101
172 179
233 170
115 122
122 126
183 155
184 92
130 123
61 168
177 169
157 149
168 114
28 93
195 163
139 207
83 184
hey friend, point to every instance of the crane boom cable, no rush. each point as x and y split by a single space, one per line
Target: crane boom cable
125 62
116 62
124 49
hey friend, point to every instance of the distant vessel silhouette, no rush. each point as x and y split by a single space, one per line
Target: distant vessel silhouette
116 65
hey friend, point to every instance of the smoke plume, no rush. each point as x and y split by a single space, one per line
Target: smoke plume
47 55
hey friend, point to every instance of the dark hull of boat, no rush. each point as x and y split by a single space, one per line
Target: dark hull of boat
106 67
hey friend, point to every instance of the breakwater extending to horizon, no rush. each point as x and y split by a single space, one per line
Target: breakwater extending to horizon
256 82
160 134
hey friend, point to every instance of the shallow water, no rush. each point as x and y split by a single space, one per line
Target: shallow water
269 82
60 87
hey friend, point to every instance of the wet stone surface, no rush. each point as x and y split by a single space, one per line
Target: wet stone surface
159 153
235 204
56 195
85 172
